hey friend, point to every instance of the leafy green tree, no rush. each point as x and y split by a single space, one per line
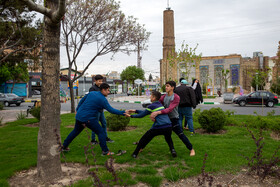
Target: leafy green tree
17 33
225 75
275 87
259 79
131 73
4 73
185 58
150 77
18 73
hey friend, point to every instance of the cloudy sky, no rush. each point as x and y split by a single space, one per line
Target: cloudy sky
220 27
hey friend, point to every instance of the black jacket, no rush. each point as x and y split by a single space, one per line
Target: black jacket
94 88
187 96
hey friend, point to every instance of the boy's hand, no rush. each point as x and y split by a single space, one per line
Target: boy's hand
126 115
130 111
154 115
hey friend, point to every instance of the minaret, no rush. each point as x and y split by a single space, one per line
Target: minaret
168 71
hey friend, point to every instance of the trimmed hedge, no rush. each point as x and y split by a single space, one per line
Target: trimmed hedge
212 120
117 122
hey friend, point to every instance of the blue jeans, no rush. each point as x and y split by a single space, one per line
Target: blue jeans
179 131
102 119
92 125
187 112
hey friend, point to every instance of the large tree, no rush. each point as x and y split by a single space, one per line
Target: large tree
131 73
18 32
48 159
98 22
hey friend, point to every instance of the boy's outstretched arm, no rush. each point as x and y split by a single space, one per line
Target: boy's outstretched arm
140 113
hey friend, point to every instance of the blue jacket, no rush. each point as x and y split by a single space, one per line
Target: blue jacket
91 104
162 120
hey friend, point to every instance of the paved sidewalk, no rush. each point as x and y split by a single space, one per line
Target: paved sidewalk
11 115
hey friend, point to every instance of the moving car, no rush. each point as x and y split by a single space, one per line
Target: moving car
257 98
11 98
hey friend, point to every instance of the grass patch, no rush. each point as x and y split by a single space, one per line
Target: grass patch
153 165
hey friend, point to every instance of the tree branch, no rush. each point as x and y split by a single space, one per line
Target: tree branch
38 8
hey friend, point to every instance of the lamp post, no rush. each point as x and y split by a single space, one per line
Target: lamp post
84 84
257 79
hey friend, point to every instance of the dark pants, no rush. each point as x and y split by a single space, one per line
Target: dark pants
92 125
150 134
102 120
179 131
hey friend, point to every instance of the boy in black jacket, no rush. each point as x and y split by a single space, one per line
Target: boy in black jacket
187 102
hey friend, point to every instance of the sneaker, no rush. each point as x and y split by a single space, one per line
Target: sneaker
67 149
173 152
94 142
108 153
134 155
109 140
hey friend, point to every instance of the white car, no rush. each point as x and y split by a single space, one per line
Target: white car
146 103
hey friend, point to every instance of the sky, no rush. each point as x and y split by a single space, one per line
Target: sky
219 27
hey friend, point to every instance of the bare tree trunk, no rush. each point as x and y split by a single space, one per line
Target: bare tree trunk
13 86
48 160
72 96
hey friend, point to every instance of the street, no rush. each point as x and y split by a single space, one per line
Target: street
248 109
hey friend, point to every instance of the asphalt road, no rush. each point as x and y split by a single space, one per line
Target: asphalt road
261 110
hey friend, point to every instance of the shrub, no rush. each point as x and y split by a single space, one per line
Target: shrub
21 115
212 120
1 106
117 122
196 114
1 121
35 112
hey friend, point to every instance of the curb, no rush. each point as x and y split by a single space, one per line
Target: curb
31 101
140 102
119 101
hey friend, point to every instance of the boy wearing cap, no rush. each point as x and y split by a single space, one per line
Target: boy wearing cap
162 125
187 102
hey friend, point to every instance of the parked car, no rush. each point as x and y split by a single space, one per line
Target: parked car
36 92
146 103
11 98
228 97
257 98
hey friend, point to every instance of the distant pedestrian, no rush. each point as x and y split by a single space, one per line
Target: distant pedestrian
87 115
197 90
102 119
187 102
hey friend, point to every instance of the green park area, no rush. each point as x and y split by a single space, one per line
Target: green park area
226 150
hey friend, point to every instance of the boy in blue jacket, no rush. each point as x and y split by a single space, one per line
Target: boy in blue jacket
87 115
161 126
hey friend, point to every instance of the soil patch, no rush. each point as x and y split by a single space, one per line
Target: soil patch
72 172
275 136
202 131
229 180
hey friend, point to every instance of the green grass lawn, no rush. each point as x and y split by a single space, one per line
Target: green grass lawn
19 152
